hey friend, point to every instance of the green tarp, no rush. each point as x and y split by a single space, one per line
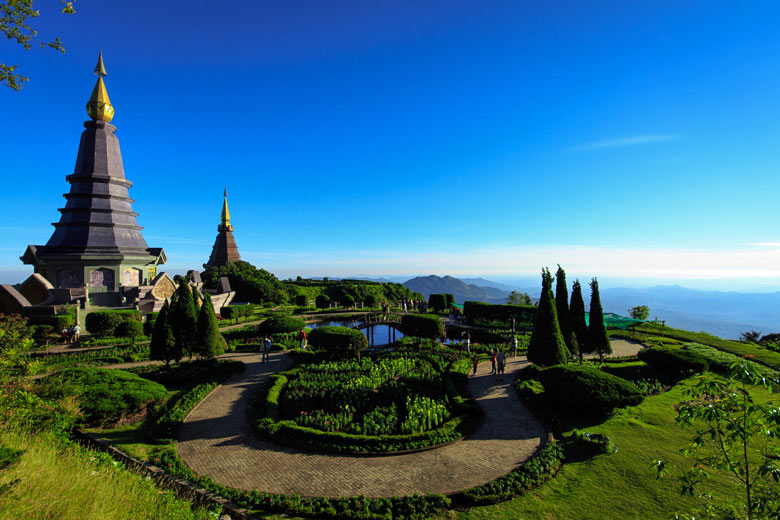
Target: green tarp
615 320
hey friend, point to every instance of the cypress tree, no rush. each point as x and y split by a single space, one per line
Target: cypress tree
562 307
209 342
162 346
579 326
546 347
185 319
598 340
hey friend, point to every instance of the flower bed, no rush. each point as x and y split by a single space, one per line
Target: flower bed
396 401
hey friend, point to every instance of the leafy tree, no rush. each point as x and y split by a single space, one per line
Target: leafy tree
579 327
322 301
370 300
250 283
163 344
15 339
562 307
752 336
347 301
640 312
184 319
209 343
15 19
547 347
598 340
302 300
736 436
518 298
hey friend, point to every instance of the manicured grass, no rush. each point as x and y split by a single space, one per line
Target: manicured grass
69 482
621 485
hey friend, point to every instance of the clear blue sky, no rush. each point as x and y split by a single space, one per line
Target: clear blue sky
634 140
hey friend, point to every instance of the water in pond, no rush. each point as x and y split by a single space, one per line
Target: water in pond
382 333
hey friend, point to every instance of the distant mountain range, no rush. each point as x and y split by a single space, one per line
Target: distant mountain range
725 314
461 290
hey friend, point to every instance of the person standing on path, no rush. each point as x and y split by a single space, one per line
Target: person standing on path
514 346
302 337
266 349
493 356
501 360
475 361
466 340
76 333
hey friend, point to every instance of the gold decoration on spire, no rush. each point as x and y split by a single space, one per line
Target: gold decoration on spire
226 213
99 106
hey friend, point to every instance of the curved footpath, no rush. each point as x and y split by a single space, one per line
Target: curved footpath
216 440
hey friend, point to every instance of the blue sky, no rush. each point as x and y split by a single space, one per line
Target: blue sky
630 140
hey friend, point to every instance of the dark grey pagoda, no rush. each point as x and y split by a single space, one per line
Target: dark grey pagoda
97 248
225 249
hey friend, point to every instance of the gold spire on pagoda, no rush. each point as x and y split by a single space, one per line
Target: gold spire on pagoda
226 213
99 106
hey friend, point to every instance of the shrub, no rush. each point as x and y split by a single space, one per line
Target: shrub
339 342
674 361
370 300
322 301
422 326
498 312
347 301
130 329
302 300
584 445
281 324
165 426
104 396
104 323
437 302
588 389
62 322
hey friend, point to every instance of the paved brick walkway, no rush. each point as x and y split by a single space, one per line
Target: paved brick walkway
217 440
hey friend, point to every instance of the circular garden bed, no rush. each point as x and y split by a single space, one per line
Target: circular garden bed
409 399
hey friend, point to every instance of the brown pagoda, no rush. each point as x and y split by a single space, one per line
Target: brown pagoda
97 248
225 249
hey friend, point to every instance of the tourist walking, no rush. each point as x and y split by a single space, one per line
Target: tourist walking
493 357
475 361
466 337
302 338
501 360
266 349
76 333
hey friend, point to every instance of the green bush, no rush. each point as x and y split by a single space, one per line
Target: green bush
131 329
370 300
422 326
62 322
674 361
347 301
104 323
721 361
151 318
302 300
531 474
166 424
587 388
584 445
504 313
437 302
104 396
322 301
281 324
339 342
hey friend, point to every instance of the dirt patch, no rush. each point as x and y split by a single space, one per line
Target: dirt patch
621 347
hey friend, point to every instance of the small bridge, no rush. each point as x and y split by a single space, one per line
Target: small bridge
392 321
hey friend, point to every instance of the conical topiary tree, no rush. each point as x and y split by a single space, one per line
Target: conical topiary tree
209 343
184 319
546 347
598 340
562 307
163 344
579 327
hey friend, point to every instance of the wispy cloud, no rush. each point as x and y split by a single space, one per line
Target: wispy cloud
764 244
622 142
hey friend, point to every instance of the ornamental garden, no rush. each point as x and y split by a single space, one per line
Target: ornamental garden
680 423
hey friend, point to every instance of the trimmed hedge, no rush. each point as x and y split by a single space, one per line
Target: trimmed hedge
62 322
281 325
104 323
322 301
422 326
498 312
438 302
130 329
235 312
588 388
339 342
301 300
528 476
674 361
168 422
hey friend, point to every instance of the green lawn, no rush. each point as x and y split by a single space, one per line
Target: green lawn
621 485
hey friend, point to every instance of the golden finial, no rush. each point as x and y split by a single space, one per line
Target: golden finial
225 212
99 106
